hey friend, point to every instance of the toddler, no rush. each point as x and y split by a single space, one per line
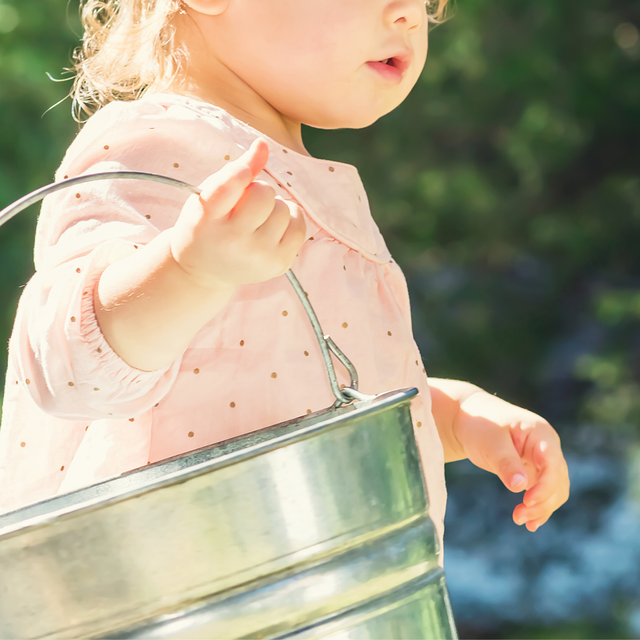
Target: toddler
158 323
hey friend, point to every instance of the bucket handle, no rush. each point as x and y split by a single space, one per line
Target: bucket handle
327 345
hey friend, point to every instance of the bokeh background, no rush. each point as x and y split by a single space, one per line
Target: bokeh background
508 188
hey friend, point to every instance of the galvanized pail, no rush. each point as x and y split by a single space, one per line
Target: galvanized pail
315 528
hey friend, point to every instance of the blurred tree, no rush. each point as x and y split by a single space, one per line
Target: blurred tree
36 39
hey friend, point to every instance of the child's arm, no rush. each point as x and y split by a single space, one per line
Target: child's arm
151 304
83 354
520 447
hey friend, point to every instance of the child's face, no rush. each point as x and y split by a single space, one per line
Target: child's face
318 62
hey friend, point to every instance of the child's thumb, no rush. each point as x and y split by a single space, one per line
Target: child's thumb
255 157
509 466
517 481
222 190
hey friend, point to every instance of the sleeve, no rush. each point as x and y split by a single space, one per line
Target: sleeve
57 348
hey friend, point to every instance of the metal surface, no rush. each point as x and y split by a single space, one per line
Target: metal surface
317 528
40 194
328 346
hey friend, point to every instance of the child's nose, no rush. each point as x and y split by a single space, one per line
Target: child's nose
406 14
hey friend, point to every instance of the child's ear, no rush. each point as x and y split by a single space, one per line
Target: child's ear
207 7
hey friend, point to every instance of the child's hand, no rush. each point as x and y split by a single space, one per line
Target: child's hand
237 231
521 448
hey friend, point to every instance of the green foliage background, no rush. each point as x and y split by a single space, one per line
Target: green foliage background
507 186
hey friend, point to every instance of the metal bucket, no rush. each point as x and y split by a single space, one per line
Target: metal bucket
314 528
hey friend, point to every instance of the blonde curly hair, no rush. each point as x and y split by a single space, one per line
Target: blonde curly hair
107 67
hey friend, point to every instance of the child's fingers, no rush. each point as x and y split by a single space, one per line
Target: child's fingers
537 515
506 463
551 490
285 227
256 157
294 236
222 190
534 525
254 207
553 478
540 513
274 227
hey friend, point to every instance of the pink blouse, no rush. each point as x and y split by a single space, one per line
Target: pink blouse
75 413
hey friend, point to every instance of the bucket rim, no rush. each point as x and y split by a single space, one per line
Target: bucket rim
324 420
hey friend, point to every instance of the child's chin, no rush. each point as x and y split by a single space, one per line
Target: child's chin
359 122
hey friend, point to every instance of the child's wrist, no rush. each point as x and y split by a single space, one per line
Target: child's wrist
472 394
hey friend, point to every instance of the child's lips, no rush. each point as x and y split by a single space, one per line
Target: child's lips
393 67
